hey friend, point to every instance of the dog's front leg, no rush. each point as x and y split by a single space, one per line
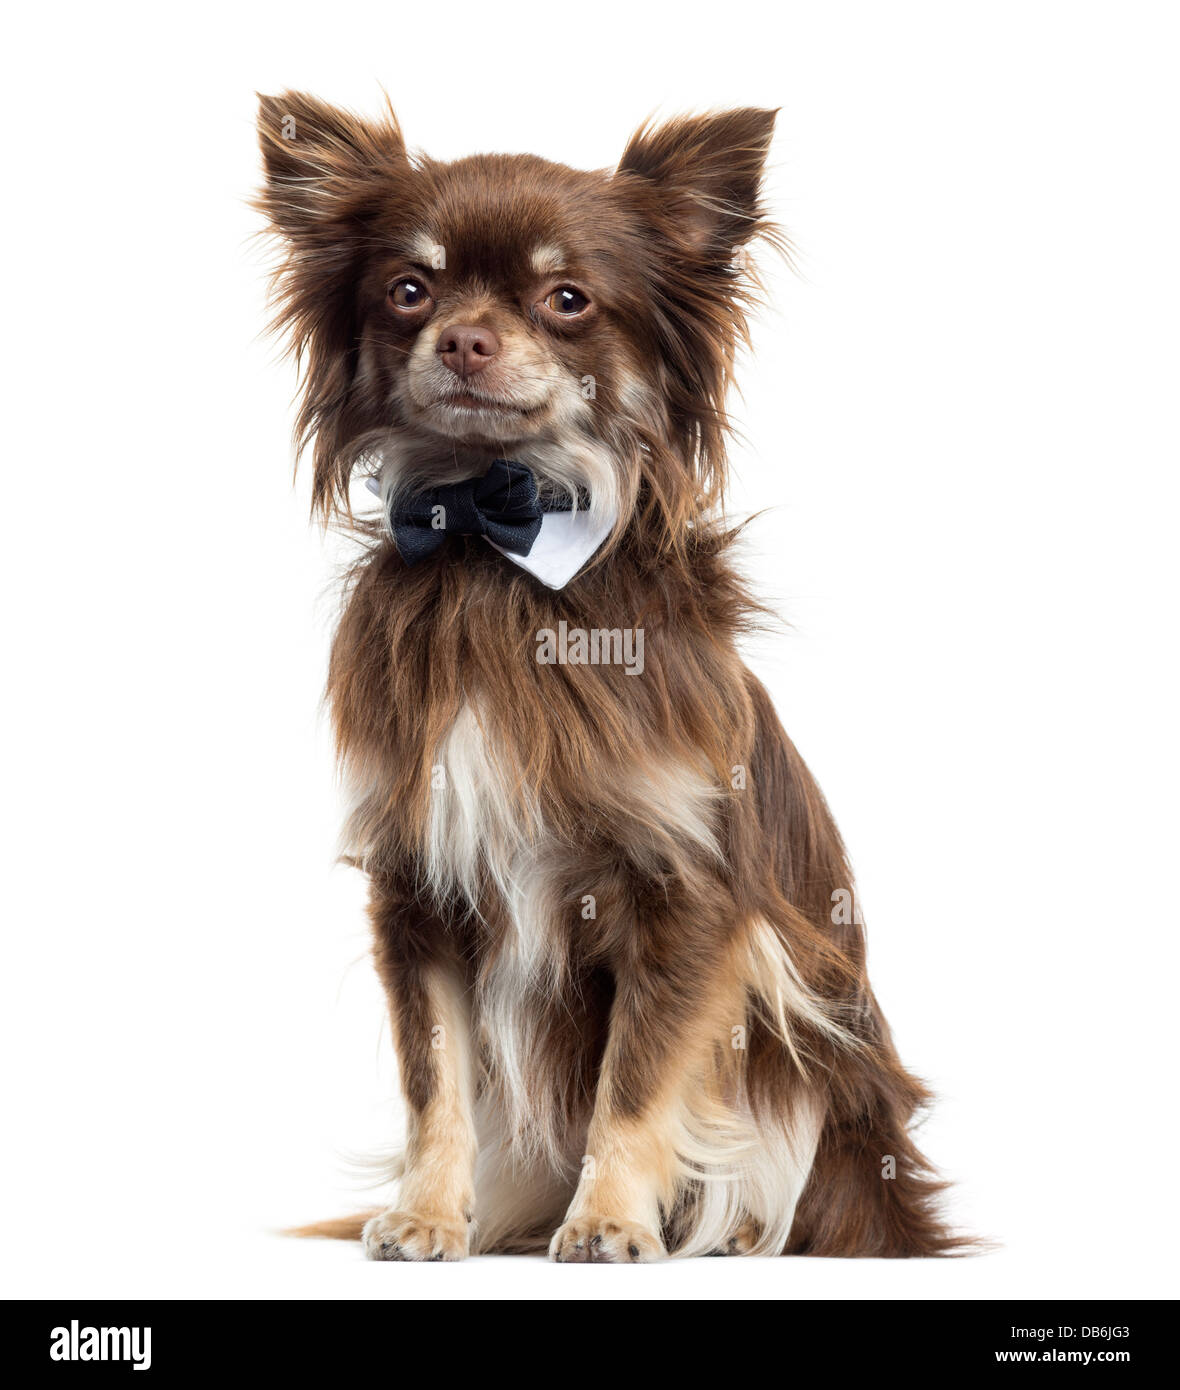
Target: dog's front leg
432 1034
668 1010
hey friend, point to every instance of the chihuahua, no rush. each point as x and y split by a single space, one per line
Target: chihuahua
611 911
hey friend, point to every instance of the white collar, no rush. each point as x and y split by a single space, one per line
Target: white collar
566 541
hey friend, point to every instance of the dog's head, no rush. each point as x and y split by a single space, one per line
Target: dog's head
504 306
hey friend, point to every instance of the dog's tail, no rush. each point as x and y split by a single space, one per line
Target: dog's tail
336 1228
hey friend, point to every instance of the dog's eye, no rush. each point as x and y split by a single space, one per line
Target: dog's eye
409 294
567 301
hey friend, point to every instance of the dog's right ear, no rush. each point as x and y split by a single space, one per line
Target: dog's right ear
329 176
323 165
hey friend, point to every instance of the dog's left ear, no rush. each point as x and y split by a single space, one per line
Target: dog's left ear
708 173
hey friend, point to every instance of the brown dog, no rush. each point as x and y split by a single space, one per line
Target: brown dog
612 912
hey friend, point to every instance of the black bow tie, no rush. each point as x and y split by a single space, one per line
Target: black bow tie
502 505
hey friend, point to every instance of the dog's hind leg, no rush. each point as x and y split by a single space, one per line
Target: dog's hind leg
428 1005
871 1191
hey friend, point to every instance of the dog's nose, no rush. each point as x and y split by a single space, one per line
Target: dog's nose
467 350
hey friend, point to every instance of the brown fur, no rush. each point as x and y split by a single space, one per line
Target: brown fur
673 799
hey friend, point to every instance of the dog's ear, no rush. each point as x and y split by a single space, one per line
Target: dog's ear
708 173
329 174
322 164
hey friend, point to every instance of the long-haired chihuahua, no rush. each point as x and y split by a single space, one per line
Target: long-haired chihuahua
613 916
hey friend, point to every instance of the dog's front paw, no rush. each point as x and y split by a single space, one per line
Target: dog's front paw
404 1235
600 1240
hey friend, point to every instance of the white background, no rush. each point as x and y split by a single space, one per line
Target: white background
962 414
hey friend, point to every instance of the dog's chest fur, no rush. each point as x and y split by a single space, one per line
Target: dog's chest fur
481 821
485 824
